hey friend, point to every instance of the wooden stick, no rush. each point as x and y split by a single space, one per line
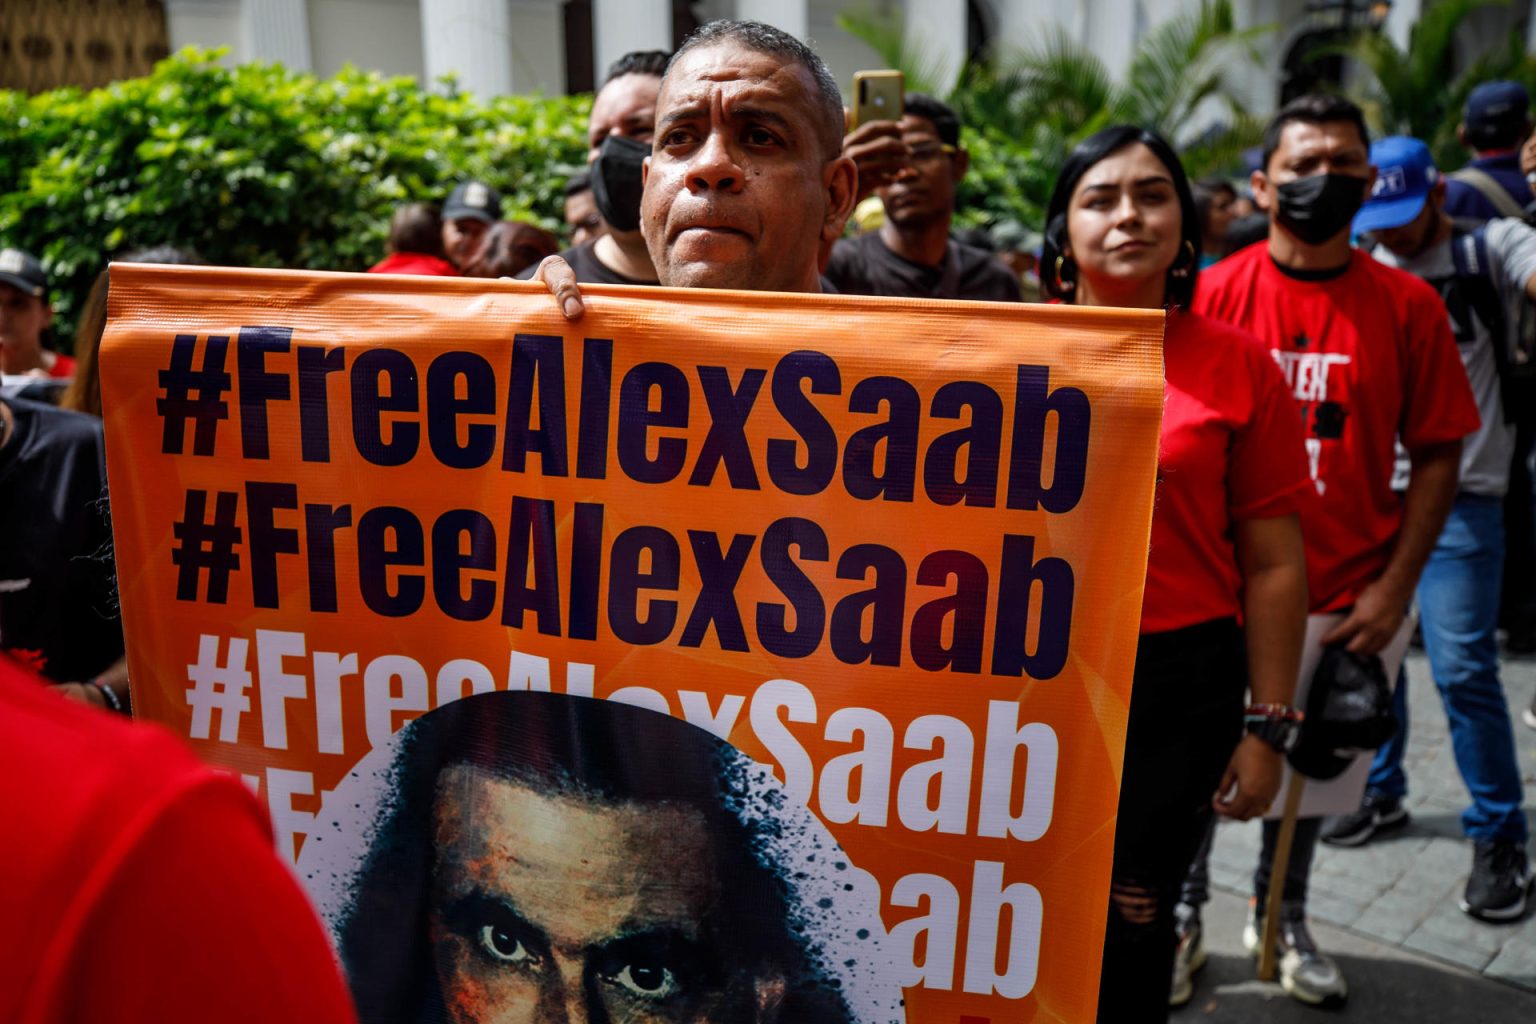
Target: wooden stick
1277 870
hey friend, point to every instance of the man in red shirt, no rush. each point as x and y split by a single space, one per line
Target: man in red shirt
1369 356
140 884
25 314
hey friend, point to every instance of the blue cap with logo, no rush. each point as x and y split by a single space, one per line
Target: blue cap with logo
1405 172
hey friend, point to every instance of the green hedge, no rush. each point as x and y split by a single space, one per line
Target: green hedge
257 166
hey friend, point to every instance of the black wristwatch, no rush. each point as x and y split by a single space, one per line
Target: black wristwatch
1279 725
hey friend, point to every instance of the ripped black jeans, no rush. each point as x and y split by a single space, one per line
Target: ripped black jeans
1186 717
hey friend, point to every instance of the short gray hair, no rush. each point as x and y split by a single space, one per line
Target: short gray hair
754 35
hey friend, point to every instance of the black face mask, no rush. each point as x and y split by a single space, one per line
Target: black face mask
1317 208
616 181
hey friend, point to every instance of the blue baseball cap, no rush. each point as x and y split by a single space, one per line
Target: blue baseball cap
1496 105
1405 172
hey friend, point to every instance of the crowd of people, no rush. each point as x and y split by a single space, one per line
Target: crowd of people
1350 406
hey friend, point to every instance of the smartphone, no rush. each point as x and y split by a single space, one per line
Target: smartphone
877 96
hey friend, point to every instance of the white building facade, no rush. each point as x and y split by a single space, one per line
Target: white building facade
556 46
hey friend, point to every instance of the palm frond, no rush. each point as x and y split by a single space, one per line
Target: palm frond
886 34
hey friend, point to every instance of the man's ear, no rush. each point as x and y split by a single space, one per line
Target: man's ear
1461 135
1258 185
962 164
841 180
1437 194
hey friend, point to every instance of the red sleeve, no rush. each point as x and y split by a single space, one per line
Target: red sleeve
200 921
1268 474
1439 406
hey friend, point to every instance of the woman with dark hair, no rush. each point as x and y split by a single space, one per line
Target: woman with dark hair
1122 230
509 248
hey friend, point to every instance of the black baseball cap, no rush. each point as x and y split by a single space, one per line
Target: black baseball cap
20 269
475 200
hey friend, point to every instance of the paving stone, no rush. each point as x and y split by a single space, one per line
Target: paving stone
1515 964
1335 909
1393 917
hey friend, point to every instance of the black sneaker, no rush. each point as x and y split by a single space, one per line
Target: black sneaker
1500 883
1378 813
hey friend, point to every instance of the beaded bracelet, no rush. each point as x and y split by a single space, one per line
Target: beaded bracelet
1272 712
112 700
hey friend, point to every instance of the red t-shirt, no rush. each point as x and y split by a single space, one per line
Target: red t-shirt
140 884
413 263
1368 356
63 366
1230 450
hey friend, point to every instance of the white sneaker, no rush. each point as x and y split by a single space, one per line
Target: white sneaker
1189 957
1307 974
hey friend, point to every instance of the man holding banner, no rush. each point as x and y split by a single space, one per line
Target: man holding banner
746 180
862 542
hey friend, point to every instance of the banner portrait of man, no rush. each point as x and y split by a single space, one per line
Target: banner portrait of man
540 856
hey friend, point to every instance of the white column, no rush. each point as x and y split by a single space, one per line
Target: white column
936 33
1400 20
1530 30
620 26
792 16
471 39
277 30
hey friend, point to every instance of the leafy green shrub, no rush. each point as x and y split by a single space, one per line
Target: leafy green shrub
257 166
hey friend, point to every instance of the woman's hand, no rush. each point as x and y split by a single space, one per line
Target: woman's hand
556 275
1251 781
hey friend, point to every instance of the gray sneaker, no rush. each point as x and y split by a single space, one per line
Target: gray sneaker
1307 974
1189 957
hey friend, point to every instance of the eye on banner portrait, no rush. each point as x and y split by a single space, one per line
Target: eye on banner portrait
716 657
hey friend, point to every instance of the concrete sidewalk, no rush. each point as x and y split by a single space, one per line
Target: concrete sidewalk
1388 910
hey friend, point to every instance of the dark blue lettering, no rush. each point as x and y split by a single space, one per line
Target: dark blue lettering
966 608
718 574
1033 401
801 414
596 402
636 418
257 386
982 441
268 540
898 433
316 364
449 560
388 536
320 525
810 613
532 536
369 404
536 359
886 603
727 438
444 407
1016 579
626 579
586 569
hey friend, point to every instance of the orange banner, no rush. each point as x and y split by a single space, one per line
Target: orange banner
856 583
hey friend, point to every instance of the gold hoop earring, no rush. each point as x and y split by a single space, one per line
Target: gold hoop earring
1063 285
1183 268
